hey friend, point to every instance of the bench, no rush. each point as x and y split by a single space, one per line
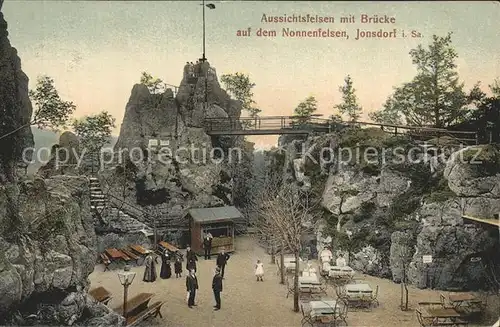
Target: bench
139 249
151 311
130 254
105 261
100 294
169 246
426 320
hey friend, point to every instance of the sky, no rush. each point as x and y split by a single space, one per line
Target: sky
96 50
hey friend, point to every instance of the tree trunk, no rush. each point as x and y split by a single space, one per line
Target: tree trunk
406 296
273 253
282 265
404 290
296 283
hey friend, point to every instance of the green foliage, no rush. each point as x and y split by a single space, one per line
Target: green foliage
352 137
495 88
440 195
398 141
434 96
402 205
306 108
349 105
365 212
51 111
484 159
154 84
94 131
240 87
387 115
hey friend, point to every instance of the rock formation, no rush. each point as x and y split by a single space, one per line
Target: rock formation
168 163
46 230
15 109
388 213
64 158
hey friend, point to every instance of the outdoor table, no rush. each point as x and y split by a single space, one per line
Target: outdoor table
139 249
309 280
358 290
466 303
323 307
168 246
335 271
441 315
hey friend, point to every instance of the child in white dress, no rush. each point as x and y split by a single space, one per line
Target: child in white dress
259 270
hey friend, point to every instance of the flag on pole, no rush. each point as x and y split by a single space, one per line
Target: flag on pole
211 6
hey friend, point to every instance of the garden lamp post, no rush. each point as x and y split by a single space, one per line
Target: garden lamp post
126 278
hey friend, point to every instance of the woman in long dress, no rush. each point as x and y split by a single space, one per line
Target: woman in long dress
166 270
150 271
259 270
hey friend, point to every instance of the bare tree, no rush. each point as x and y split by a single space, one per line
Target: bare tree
405 259
286 213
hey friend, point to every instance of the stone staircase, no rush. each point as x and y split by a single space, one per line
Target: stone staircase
111 218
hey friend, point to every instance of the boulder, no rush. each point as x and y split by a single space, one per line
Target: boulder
57 251
15 110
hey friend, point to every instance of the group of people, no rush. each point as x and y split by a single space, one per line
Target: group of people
326 257
166 268
191 278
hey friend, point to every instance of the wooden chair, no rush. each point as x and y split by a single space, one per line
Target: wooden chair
423 321
340 291
307 319
323 288
341 316
444 302
105 261
290 288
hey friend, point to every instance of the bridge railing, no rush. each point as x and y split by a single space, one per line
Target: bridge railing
314 123
265 123
422 132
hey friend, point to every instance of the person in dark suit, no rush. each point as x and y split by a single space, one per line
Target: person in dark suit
222 259
191 259
217 288
191 287
207 245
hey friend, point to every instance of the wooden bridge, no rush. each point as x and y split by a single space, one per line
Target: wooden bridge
269 125
278 125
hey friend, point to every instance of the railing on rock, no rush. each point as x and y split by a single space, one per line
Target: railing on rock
284 124
422 133
306 125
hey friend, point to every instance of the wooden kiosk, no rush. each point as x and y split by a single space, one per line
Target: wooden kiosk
219 221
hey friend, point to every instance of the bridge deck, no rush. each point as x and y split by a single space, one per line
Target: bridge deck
490 221
261 132
277 125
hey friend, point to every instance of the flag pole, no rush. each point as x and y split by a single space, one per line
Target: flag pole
203 57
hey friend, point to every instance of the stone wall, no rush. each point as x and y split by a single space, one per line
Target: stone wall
388 215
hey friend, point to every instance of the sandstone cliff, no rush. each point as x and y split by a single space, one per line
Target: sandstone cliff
386 214
172 164
15 107
47 235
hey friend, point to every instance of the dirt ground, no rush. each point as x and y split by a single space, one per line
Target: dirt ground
246 302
